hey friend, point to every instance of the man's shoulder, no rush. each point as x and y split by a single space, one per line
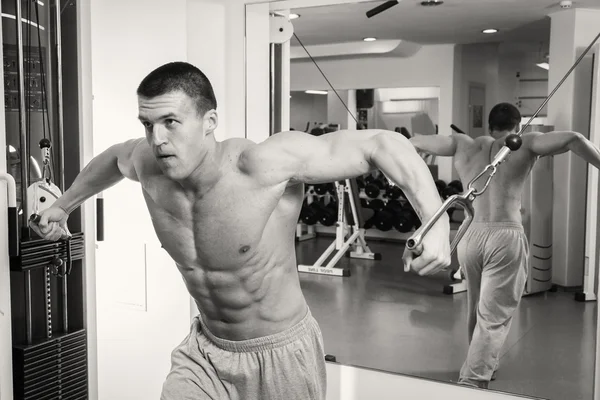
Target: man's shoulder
465 143
143 160
527 136
238 151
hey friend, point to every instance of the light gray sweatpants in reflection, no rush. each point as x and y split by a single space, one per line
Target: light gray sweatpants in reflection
494 257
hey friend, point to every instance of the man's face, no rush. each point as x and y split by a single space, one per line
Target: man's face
176 132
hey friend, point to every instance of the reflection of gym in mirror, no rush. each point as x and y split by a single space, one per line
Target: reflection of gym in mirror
387 199
517 178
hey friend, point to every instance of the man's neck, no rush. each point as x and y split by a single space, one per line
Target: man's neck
206 175
499 135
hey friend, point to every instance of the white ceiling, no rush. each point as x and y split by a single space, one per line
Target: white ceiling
455 21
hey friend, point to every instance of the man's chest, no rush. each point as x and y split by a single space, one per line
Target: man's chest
224 223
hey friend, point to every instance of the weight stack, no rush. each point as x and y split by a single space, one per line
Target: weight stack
55 369
49 350
39 253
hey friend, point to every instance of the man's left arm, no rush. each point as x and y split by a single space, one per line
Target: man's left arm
558 142
299 157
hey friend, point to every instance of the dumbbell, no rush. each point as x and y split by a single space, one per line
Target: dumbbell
404 217
376 205
328 215
454 187
457 185
309 214
373 187
360 182
415 217
324 188
441 185
384 220
394 193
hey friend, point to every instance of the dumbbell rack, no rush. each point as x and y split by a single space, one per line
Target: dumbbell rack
306 231
348 223
312 230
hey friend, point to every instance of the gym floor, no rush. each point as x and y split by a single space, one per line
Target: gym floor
381 317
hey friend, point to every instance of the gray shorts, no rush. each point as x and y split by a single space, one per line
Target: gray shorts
288 365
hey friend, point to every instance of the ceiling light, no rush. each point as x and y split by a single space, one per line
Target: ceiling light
544 65
491 30
294 16
315 91
369 39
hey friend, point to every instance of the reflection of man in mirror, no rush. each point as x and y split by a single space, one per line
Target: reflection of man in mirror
494 252
226 212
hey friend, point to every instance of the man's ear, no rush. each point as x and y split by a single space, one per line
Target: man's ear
211 121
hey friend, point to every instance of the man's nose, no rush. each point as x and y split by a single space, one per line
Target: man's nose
159 135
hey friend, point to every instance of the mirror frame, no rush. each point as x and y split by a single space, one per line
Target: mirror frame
257 127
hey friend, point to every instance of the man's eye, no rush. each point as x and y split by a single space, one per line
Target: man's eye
169 121
147 125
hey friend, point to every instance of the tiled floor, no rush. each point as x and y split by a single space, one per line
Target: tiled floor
381 317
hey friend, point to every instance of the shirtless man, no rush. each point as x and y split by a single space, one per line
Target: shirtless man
493 253
226 212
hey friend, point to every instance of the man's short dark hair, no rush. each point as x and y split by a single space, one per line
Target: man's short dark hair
504 117
180 76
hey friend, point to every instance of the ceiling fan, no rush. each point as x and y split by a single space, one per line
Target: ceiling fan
389 4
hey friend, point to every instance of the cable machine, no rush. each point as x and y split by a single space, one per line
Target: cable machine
49 343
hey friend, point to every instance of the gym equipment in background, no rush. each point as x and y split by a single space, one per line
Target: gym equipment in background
49 360
13 217
537 202
348 234
42 193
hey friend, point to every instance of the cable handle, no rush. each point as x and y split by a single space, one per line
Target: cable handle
463 200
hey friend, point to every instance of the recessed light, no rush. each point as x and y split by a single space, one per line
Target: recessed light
544 65
491 30
369 39
294 16
315 91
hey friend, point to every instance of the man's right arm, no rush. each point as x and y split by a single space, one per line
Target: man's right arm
104 171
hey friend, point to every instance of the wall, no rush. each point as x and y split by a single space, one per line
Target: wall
88 209
571 31
522 58
338 111
307 108
422 69
479 65
392 120
198 49
143 309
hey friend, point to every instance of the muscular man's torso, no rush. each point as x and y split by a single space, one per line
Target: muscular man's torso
501 202
233 244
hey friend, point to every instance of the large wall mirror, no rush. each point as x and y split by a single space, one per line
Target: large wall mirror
418 68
